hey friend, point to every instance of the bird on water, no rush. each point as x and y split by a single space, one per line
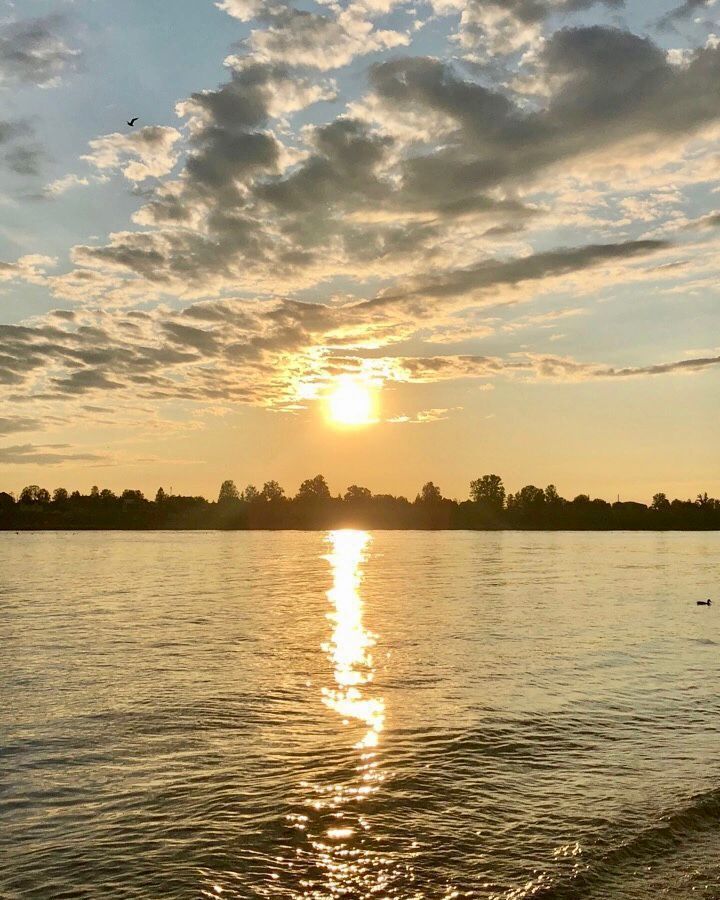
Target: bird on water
131 122
707 602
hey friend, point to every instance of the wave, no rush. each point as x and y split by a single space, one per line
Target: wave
673 832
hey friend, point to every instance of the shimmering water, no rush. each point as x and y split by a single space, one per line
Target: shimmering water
387 715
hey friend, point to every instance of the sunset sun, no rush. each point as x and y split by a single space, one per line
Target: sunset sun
351 403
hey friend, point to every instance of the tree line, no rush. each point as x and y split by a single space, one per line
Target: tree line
489 506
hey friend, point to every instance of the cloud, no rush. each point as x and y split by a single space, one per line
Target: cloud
220 353
424 416
300 38
358 198
686 9
32 52
12 424
45 455
529 366
146 153
607 88
492 29
244 10
66 183
492 273
23 155
31 268
428 199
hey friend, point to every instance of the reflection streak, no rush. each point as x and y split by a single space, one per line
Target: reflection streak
339 833
351 643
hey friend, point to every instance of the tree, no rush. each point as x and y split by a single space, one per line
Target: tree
33 494
133 496
161 496
60 496
228 492
6 500
528 499
107 495
251 494
272 492
314 489
552 498
95 492
488 490
429 493
355 492
660 503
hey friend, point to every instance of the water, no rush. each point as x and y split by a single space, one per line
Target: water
388 715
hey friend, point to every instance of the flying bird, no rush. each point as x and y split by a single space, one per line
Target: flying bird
132 121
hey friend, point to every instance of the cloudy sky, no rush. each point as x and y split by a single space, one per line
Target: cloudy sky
503 215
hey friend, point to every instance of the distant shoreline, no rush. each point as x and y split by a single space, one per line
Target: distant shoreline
313 508
5 529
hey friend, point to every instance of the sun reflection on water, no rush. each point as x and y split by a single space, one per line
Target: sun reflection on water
339 826
351 643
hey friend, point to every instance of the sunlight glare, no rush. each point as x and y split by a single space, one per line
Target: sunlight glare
351 402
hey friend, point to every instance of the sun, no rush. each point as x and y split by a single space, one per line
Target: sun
351 402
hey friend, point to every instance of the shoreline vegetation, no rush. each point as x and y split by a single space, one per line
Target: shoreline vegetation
313 507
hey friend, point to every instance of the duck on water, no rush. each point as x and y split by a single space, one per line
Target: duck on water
707 602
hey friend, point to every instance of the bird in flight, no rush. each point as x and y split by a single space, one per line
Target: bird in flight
132 121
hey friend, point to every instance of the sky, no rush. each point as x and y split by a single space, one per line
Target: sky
500 218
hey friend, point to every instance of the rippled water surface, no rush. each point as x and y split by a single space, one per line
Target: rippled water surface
359 715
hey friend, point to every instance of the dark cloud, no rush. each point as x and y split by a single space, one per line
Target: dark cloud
342 172
33 51
493 273
683 365
9 130
23 155
686 9
24 160
44 454
530 11
13 424
363 202
608 86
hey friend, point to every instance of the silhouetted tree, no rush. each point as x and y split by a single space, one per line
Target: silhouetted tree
429 493
528 500
314 489
95 492
272 492
228 492
33 494
552 498
488 490
313 507
132 496
355 492
251 494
